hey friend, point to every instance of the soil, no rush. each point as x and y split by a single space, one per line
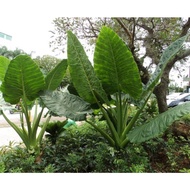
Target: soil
181 128
168 159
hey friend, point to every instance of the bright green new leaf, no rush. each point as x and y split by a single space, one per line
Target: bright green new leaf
54 78
82 72
159 124
66 104
22 79
115 66
4 62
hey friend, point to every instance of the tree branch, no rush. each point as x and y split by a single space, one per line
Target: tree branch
185 28
145 27
92 27
124 28
183 55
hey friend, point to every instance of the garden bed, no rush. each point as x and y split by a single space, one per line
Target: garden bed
83 150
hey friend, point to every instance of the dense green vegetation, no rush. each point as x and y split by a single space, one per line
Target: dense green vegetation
81 149
121 128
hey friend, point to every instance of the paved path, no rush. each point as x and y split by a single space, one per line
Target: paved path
7 133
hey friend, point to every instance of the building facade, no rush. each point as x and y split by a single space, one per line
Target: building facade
5 40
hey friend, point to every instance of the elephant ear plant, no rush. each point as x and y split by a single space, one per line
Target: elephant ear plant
22 83
111 84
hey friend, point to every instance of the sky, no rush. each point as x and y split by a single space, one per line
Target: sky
29 21
33 37
29 32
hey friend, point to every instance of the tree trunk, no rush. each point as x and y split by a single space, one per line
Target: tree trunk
160 92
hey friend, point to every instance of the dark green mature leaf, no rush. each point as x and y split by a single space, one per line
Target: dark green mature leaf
82 72
4 62
22 79
66 104
115 66
54 78
159 124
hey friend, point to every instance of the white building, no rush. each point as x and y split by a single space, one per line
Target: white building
6 40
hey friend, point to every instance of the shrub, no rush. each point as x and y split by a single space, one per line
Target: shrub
81 149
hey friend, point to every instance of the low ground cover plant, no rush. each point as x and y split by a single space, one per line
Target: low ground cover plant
80 149
83 150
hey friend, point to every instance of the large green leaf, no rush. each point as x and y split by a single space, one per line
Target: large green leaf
4 62
159 124
115 66
82 72
66 104
22 79
167 55
54 78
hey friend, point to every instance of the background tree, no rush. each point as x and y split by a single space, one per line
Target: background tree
10 54
146 38
47 62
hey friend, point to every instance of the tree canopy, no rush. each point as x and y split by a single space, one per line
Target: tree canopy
47 63
10 54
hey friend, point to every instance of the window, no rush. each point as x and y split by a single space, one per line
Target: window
5 36
8 37
187 98
1 35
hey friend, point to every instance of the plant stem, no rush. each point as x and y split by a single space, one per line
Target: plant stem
17 129
103 133
134 119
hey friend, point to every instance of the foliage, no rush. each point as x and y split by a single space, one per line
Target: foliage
186 119
55 129
169 154
66 104
10 54
149 112
23 87
63 24
152 35
16 159
23 82
115 75
163 121
159 28
3 67
47 63
174 88
81 149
